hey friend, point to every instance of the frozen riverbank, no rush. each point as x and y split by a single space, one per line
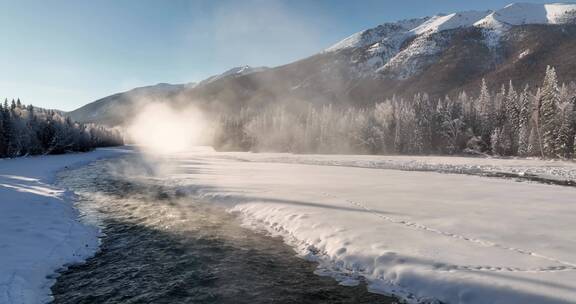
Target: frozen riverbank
419 235
544 171
39 228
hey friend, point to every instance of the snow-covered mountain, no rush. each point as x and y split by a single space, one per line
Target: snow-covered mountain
513 14
529 13
440 55
405 48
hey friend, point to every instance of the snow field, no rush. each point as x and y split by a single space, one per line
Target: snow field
40 231
418 235
548 171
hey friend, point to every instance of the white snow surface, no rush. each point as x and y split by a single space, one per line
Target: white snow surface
448 22
39 227
418 235
440 235
546 170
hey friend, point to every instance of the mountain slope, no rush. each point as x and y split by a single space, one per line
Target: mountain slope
112 110
440 55
234 72
118 108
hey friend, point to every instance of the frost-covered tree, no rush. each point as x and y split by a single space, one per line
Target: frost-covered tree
503 125
26 130
423 121
524 118
385 122
452 126
487 112
404 135
567 129
539 122
549 100
512 121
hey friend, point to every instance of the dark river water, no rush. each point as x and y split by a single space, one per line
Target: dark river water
159 246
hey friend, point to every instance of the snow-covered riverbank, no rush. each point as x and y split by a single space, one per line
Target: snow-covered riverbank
39 228
419 235
545 171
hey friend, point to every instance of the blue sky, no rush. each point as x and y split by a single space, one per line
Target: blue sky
64 54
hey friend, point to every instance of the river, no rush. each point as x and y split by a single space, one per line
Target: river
161 246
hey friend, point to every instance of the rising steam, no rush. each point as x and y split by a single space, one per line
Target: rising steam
161 129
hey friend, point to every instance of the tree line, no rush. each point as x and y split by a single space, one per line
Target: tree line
26 130
508 122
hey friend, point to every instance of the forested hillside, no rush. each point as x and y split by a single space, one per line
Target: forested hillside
25 130
511 122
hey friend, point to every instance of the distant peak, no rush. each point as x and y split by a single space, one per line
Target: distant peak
530 13
518 13
235 71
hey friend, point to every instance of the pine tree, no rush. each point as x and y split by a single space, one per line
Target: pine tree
503 122
500 113
524 117
495 142
7 130
512 125
512 106
567 129
549 122
423 133
487 118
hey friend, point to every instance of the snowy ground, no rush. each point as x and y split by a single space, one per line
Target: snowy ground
39 230
545 171
420 235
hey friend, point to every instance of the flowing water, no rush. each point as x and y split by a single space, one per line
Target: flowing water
159 246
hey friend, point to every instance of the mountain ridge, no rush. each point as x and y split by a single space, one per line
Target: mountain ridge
439 55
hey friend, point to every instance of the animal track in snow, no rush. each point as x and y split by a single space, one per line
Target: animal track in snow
564 266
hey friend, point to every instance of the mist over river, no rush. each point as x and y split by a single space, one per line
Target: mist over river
159 245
